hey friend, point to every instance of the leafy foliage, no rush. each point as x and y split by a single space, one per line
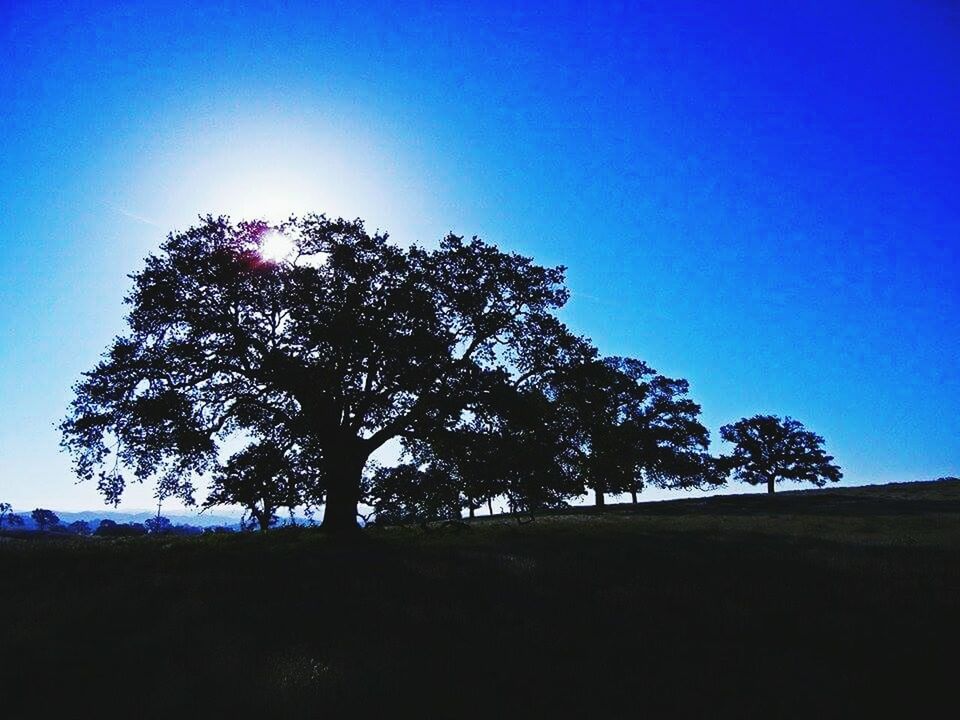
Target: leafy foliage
158 525
349 342
111 528
79 527
407 493
768 449
262 478
627 424
44 518
7 516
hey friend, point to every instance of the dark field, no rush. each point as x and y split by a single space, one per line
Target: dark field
827 602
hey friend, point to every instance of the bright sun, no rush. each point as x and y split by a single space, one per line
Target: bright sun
275 246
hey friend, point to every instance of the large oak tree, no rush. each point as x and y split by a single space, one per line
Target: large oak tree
345 343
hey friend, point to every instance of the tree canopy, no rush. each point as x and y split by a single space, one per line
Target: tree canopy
768 449
348 342
627 425
44 518
8 517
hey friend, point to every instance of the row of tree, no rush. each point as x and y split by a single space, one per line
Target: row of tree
279 377
464 473
43 520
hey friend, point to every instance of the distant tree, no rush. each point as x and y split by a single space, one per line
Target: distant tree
217 530
110 528
262 478
672 441
768 449
463 455
6 512
44 518
158 525
105 527
347 343
8 517
629 425
185 530
79 527
511 443
532 451
407 493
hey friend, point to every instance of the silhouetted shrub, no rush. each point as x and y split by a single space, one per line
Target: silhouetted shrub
109 528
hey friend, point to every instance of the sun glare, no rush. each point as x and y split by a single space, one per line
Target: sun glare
275 246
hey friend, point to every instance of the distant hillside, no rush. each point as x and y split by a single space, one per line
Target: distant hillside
135 516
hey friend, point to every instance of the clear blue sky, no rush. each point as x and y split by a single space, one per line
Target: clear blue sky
761 197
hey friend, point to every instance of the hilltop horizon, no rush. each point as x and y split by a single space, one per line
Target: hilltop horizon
653 495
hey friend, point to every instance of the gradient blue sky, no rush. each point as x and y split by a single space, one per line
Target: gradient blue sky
760 197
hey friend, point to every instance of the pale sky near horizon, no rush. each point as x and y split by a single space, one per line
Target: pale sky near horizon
763 203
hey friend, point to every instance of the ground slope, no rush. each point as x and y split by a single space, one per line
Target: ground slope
827 601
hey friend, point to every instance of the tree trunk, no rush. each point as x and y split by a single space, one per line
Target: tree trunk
770 485
601 501
490 505
633 495
343 491
263 519
471 508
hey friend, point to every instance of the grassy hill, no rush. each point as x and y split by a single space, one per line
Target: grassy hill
829 601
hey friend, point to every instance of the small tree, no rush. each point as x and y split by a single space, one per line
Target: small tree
8 518
463 455
629 425
768 449
6 511
79 527
44 518
158 525
407 493
262 478
109 528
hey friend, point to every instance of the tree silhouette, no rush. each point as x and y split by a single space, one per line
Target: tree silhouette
79 527
44 518
408 493
348 342
465 456
768 449
629 424
672 440
158 525
262 478
528 448
8 517
110 528
511 442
